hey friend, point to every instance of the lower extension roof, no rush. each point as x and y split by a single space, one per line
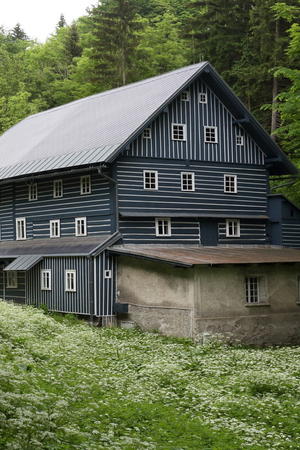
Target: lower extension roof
66 246
189 256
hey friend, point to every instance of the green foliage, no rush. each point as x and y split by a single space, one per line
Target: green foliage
65 384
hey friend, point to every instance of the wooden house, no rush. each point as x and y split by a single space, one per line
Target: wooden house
151 202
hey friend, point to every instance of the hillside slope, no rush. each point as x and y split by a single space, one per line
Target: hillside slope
65 385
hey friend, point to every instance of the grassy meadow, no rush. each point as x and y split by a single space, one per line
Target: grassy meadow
66 385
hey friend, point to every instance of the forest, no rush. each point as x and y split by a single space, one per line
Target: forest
254 44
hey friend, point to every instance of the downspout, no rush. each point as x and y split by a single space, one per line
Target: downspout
91 288
100 171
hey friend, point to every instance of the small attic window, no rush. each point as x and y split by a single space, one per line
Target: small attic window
178 132
147 133
185 96
239 140
202 97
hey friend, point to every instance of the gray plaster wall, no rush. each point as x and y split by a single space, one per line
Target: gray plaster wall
160 296
210 300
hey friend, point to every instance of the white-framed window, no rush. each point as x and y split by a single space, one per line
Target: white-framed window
252 289
187 181
185 96
54 228
239 140
70 280
178 132
12 279
233 228
80 226
230 184
21 228
151 180
58 190
211 135
32 192
163 226
202 97
46 282
85 185
147 133
107 274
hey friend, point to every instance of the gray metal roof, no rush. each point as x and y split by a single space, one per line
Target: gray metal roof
66 246
186 256
23 263
89 130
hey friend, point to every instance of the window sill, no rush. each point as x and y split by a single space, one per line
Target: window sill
251 305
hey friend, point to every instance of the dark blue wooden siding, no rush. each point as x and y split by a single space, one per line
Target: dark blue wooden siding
208 198
197 115
142 231
291 234
7 225
251 233
97 207
18 293
73 302
104 294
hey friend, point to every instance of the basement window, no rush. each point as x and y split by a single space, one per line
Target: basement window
163 227
178 132
202 97
255 290
147 133
185 96
233 228
85 185
187 181
55 228
211 135
70 280
80 226
21 229
32 192
151 180
12 279
239 140
57 188
230 184
46 280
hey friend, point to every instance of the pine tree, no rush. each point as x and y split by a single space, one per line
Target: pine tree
17 33
114 26
61 23
72 45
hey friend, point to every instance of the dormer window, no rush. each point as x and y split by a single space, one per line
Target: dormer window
185 96
202 97
85 185
57 188
147 133
239 140
178 132
32 192
211 135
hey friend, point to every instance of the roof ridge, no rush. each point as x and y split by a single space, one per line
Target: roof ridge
116 90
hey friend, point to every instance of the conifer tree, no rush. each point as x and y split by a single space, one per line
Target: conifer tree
17 33
62 22
72 45
114 26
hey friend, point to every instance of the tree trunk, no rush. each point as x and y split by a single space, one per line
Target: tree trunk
275 115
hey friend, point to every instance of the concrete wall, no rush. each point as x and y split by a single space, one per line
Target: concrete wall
220 306
207 300
160 296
